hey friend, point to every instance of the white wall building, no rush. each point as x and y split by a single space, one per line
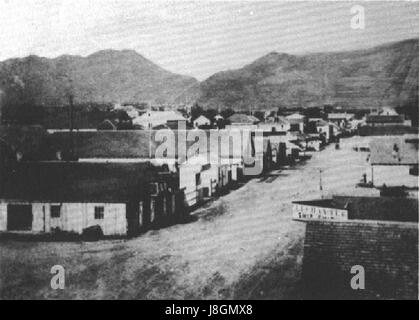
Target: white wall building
393 161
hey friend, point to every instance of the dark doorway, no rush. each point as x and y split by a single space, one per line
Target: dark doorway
19 217
295 127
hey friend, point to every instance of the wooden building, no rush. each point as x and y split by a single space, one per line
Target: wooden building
122 199
394 161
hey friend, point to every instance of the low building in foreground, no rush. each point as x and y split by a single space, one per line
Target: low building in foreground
376 235
122 199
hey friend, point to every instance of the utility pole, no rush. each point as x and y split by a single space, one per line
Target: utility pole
71 123
320 183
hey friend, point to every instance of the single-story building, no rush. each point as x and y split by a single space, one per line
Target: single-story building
307 142
342 208
275 124
241 120
393 161
296 121
201 121
152 119
323 127
340 119
122 199
384 120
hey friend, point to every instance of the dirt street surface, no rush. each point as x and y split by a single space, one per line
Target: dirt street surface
243 245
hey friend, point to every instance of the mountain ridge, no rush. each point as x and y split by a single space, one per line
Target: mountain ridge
363 78
386 74
104 76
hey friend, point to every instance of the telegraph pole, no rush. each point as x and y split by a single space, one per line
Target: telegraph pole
71 123
320 182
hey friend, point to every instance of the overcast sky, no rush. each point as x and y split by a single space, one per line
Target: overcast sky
197 38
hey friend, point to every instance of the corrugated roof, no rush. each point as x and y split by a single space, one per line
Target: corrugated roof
130 144
394 151
158 118
140 144
106 144
76 182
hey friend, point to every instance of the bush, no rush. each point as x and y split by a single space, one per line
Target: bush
92 233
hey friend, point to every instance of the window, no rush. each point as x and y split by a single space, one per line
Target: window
99 212
55 211
154 189
413 171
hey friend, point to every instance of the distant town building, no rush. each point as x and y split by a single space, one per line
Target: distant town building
296 121
394 161
275 124
388 111
131 111
201 121
242 120
152 119
384 120
340 119
324 128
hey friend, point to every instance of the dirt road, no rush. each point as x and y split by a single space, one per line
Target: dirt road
244 245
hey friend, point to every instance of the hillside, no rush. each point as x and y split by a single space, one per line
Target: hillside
384 75
105 76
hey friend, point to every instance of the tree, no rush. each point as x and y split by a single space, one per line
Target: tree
196 111
260 115
226 113
310 127
410 110
210 114
313 112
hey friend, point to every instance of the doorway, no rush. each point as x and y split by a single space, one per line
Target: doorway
19 217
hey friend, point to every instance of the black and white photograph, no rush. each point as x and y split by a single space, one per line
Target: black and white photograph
216 152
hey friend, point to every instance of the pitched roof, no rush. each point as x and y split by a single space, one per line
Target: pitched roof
158 118
385 119
76 182
394 151
243 118
106 144
295 116
321 123
282 120
341 115
202 118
